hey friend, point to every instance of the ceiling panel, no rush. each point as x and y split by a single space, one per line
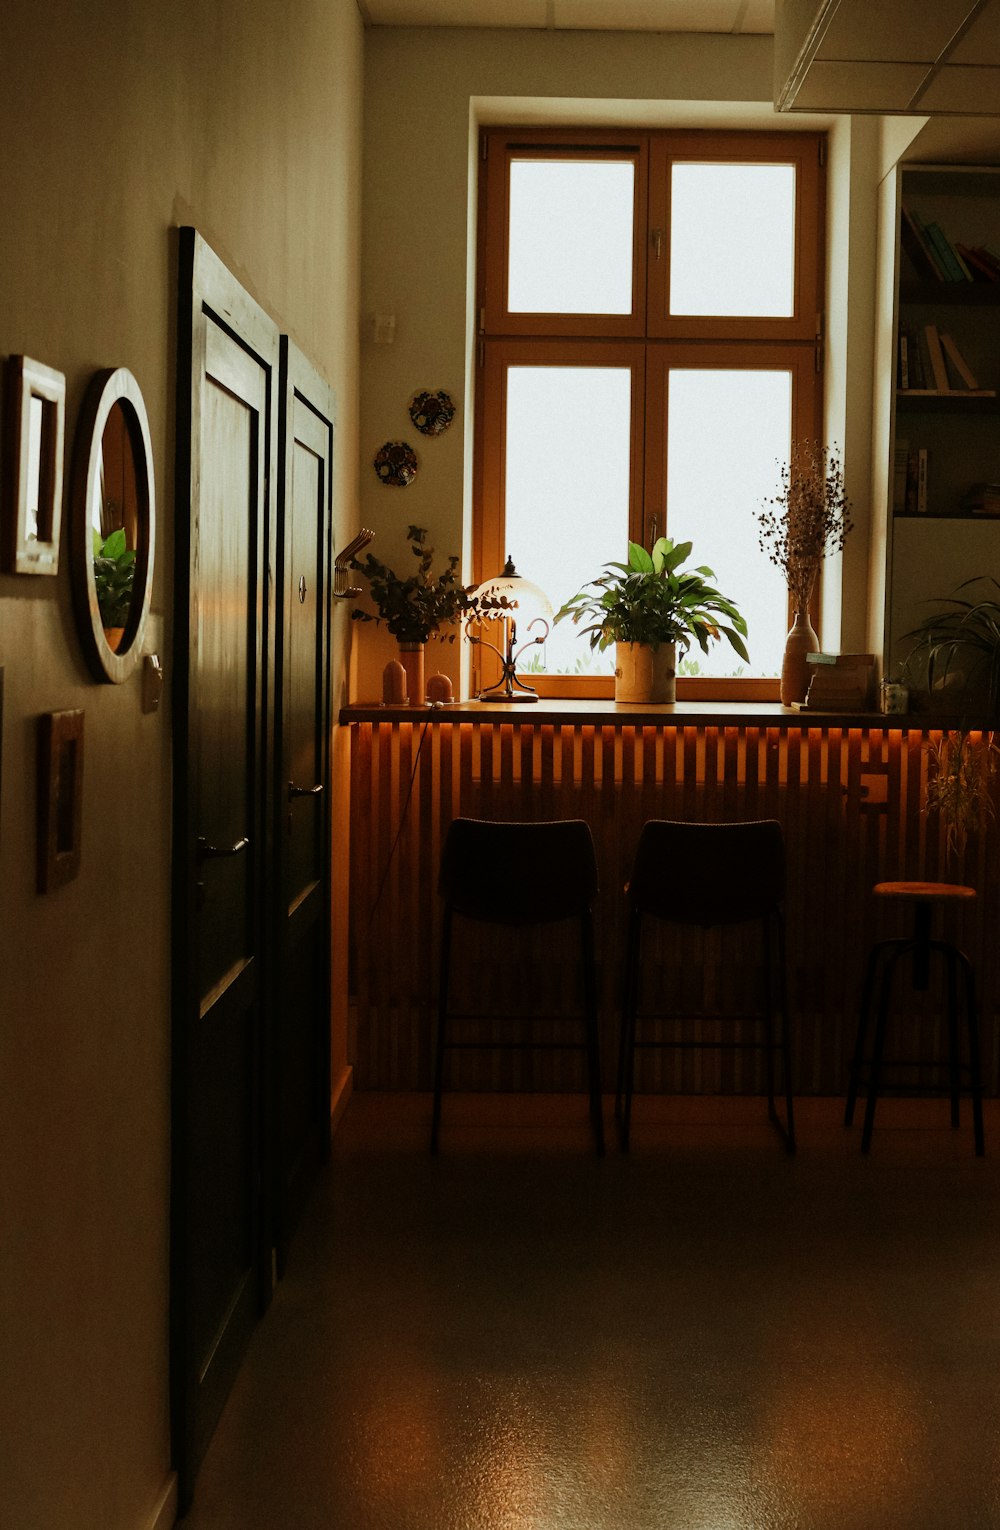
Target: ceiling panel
586 15
864 87
981 43
901 30
962 88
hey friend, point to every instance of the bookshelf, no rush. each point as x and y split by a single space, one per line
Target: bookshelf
941 411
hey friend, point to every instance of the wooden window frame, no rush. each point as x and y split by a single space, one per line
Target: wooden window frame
648 339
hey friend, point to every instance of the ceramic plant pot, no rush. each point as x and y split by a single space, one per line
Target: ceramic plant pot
795 674
645 674
411 656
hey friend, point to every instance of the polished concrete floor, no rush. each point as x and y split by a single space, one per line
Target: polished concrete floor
706 1335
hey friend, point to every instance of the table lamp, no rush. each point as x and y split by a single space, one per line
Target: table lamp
534 608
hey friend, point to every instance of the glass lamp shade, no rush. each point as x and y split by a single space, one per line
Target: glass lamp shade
530 601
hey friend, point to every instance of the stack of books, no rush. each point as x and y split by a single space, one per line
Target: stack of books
982 499
930 364
936 258
841 682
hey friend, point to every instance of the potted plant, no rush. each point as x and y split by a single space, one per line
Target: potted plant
417 607
651 607
956 651
808 518
114 579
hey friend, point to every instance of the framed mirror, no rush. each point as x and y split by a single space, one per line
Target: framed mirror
34 422
113 524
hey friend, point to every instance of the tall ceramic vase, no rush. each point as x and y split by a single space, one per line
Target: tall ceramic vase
794 667
411 656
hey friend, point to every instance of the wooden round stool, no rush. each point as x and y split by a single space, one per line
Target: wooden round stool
879 972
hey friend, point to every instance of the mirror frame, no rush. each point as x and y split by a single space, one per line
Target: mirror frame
27 380
107 388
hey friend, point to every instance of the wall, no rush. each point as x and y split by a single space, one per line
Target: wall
118 122
424 90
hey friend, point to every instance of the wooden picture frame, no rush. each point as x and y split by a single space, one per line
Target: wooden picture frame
35 432
60 797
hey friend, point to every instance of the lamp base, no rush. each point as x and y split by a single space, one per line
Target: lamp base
501 695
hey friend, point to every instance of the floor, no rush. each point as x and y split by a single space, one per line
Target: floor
705 1335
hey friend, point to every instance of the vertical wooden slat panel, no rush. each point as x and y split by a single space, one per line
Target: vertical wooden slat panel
811 779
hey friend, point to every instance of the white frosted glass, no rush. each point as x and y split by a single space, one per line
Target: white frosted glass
728 433
570 245
732 240
567 491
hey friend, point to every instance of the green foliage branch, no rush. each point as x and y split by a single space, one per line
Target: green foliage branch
417 607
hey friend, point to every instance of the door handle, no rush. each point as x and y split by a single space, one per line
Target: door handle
303 791
207 852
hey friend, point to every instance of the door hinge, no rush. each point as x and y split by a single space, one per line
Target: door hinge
819 343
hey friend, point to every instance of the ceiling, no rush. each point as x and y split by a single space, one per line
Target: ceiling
739 16
938 59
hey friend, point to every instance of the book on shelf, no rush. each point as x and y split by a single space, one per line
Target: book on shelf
934 351
954 360
901 458
983 269
918 247
922 480
954 268
982 499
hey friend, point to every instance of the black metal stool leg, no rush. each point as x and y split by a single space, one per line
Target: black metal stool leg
590 1022
875 1062
441 1042
630 1004
857 1061
975 1062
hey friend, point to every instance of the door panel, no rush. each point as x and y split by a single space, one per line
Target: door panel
228 355
301 1017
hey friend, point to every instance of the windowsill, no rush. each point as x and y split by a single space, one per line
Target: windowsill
561 710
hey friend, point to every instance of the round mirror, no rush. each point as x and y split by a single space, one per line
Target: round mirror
113 522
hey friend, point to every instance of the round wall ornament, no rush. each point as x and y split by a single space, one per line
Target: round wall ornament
396 463
432 413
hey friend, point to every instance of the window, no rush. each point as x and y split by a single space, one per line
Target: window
650 310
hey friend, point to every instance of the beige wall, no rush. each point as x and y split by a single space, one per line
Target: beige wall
119 121
423 92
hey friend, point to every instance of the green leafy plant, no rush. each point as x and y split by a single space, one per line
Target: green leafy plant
114 577
962 639
960 784
653 599
416 608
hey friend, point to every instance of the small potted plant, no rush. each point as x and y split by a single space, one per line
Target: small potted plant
114 580
808 518
651 607
418 607
956 650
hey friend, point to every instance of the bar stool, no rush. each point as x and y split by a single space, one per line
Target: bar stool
710 874
515 875
880 969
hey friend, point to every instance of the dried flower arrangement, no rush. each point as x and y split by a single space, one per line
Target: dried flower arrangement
418 607
809 518
959 784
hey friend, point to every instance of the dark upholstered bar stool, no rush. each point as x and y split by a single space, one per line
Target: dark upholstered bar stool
518 874
710 874
884 958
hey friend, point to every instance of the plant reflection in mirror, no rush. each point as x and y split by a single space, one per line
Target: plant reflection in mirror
962 767
114 577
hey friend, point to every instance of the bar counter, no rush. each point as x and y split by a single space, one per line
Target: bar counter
848 790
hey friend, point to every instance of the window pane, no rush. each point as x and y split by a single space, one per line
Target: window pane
728 433
568 449
570 236
732 240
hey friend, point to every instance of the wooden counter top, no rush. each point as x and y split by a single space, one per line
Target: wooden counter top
570 712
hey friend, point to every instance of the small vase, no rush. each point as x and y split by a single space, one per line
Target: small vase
411 656
794 668
644 674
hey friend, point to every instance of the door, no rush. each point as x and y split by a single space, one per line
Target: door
228 370
301 1009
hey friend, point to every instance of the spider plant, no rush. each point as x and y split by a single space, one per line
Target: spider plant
963 638
959 784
